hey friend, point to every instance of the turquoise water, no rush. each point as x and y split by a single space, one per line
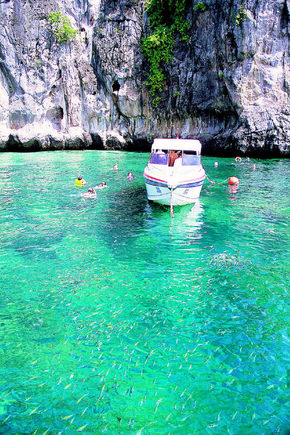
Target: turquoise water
116 318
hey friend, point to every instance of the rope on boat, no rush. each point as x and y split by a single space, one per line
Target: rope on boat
212 182
171 206
215 182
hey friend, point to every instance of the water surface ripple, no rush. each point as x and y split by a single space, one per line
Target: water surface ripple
116 318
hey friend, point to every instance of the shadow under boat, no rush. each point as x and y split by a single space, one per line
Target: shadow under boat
129 214
125 216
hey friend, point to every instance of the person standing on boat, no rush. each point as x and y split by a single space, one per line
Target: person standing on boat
178 161
172 157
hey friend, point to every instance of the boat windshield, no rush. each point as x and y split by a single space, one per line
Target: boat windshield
159 158
190 159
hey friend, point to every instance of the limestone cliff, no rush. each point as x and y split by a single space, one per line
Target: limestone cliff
227 85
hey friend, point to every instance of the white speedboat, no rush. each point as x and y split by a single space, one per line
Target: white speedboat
174 174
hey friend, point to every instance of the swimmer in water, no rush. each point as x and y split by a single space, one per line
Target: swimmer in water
80 181
238 159
116 166
102 185
130 176
91 193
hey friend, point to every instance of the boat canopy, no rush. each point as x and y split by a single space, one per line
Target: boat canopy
176 144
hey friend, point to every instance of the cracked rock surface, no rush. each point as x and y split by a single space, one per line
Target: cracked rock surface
227 86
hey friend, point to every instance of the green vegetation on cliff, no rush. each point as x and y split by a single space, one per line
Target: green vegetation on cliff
200 6
167 19
61 27
241 16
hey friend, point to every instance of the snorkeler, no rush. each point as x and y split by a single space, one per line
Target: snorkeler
91 193
130 176
80 181
101 185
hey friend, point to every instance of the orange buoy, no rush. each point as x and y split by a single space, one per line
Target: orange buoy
234 181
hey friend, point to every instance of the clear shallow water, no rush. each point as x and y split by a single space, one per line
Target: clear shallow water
116 318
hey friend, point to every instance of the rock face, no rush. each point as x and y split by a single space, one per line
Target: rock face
228 85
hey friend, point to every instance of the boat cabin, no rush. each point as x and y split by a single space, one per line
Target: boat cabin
176 152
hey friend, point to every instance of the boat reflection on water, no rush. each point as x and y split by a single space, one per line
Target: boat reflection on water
132 221
187 223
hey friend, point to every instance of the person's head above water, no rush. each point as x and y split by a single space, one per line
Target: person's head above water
90 190
80 177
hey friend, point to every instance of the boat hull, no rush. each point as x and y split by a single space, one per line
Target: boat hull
174 174
162 192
